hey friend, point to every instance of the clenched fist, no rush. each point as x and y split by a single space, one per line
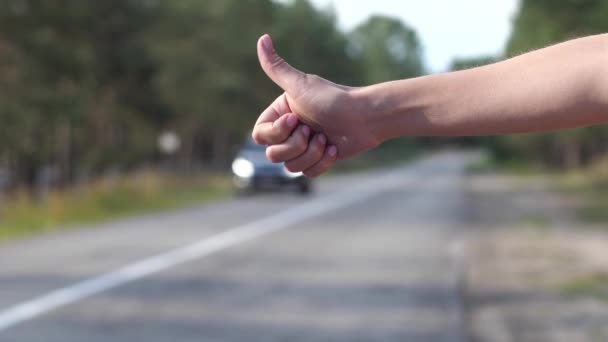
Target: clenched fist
314 122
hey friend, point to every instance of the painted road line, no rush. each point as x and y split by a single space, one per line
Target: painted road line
238 235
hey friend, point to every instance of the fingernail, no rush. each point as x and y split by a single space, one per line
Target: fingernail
322 139
332 151
267 42
292 120
306 130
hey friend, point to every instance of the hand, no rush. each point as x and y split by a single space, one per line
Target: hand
338 118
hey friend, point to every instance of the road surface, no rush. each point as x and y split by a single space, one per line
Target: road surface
371 256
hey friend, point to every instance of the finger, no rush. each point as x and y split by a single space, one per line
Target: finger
279 71
278 108
293 147
266 131
324 164
313 154
275 132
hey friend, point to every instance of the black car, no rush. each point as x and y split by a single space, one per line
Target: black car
254 172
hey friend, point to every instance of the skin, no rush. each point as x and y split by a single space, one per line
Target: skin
316 122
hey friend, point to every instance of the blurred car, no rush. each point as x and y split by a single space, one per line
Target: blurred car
253 172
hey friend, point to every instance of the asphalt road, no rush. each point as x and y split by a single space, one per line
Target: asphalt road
370 257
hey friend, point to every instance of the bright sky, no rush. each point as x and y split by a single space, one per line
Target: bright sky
448 28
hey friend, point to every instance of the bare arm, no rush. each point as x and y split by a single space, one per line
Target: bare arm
562 86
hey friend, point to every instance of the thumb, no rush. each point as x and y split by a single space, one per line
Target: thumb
279 71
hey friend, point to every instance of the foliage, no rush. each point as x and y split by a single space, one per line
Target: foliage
590 186
462 63
87 86
107 198
388 50
540 23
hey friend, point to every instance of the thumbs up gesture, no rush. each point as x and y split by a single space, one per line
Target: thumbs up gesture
314 122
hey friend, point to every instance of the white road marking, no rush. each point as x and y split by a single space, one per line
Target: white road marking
39 306
456 252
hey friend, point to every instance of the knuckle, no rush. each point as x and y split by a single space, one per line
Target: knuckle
272 155
277 132
299 145
277 61
302 147
325 163
318 150
256 136
303 78
302 137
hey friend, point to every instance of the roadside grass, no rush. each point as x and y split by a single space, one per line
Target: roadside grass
102 200
593 284
144 192
535 221
590 186
488 164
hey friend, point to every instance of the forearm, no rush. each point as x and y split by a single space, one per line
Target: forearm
562 86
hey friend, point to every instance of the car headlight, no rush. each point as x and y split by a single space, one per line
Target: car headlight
291 174
243 167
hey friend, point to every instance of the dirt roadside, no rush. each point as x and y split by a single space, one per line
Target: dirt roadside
534 273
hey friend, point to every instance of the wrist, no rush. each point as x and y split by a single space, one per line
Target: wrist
395 109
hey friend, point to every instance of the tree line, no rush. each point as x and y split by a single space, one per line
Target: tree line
87 86
537 24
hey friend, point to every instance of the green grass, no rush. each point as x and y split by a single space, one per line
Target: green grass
141 193
535 221
104 200
591 187
488 164
595 285
595 209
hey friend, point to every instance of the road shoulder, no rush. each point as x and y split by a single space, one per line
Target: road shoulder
534 273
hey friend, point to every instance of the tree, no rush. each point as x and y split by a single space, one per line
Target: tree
463 63
78 89
310 40
388 49
540 23
211 76
87 86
